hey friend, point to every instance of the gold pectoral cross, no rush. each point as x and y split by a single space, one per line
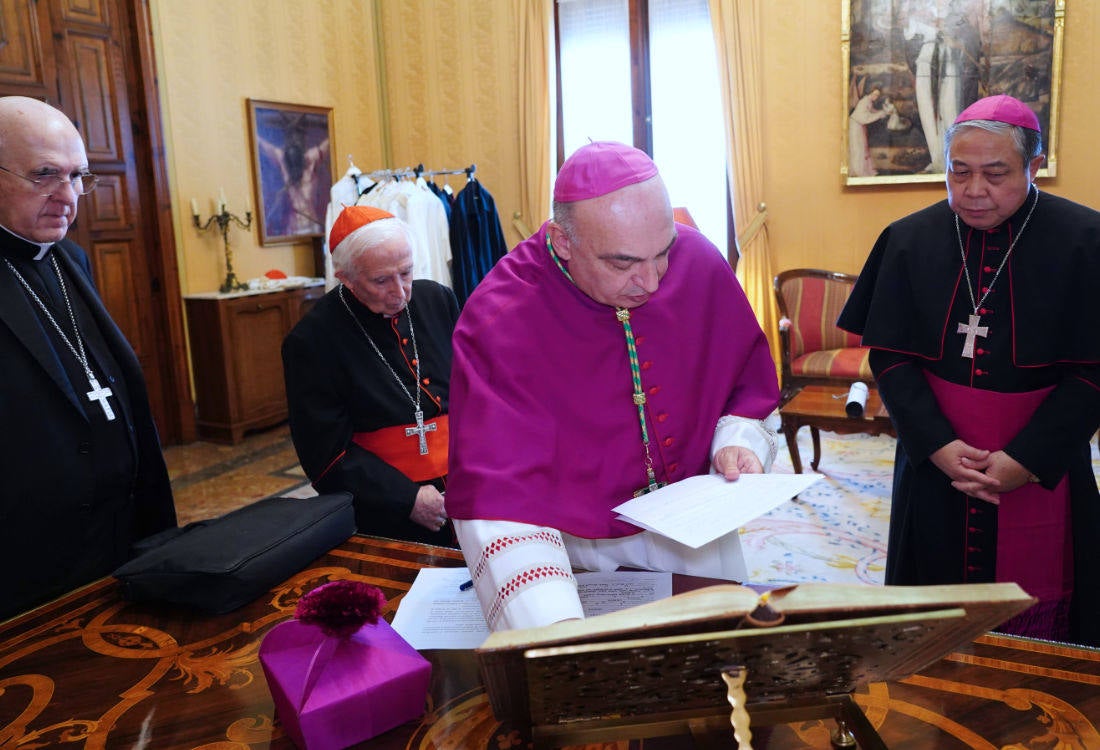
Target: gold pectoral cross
972 330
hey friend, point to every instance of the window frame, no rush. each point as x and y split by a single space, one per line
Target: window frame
641 101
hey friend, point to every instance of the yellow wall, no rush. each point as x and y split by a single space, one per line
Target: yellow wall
450 99
215 54
452 91
814 220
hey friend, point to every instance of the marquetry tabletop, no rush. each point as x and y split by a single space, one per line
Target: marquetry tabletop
91 670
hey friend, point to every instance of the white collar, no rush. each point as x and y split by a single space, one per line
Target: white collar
42 246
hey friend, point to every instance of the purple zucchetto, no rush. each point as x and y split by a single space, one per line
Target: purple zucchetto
600 168
1001 108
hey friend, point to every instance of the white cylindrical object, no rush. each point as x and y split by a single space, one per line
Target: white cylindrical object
857 399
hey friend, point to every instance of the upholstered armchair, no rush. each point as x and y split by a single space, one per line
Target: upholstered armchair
813 349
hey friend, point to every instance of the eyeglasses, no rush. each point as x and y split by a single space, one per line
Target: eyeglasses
82 183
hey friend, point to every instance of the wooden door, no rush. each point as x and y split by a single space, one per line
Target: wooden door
93 60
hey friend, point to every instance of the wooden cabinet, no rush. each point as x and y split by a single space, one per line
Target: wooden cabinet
235 354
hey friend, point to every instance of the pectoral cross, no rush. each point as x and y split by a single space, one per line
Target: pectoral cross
420 430
972 329
100 394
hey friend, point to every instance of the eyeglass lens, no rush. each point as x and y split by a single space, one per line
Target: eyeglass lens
81 183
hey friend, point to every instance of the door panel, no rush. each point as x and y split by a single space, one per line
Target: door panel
25 66
94 93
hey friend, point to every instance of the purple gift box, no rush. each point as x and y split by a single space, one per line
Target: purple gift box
332 692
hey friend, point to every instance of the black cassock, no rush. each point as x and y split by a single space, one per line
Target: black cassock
78 488
1043 330
337 386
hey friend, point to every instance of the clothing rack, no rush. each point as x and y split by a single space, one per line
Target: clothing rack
419 171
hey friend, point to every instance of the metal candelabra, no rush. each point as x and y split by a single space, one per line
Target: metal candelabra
223 220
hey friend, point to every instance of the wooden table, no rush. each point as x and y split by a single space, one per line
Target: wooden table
92 671
821 407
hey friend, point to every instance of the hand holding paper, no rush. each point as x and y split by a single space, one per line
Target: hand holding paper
700 509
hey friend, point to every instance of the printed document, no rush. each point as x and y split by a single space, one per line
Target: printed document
700 509
438 612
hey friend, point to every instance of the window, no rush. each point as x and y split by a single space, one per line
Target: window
644 72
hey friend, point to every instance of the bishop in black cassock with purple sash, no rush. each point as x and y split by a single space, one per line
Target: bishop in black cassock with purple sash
981 315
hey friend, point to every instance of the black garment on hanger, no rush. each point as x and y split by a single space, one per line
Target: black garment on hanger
477 239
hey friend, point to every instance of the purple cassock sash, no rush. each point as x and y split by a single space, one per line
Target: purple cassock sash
1034 542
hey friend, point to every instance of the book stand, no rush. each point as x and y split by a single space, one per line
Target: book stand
677 666
650 687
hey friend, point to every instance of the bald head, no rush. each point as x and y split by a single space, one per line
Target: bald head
38 143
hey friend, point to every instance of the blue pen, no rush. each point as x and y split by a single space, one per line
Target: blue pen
466 586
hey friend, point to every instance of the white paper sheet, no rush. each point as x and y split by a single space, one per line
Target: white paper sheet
435 613
700 509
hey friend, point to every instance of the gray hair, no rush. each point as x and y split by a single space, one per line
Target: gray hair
563 217
1029 143
346 255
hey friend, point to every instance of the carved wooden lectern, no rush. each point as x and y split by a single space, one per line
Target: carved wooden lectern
676 666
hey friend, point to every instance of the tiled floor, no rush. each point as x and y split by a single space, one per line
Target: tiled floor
209 479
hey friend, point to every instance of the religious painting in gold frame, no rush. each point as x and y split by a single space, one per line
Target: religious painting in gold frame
291 169
910 66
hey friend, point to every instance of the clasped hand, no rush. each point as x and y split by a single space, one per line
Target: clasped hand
428 509
979 473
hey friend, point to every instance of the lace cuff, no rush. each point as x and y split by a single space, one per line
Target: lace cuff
758 435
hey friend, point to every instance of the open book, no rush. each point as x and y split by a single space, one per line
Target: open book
797 644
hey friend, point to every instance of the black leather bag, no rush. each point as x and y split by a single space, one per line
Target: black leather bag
226 562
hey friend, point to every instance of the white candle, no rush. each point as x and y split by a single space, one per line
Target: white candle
194 208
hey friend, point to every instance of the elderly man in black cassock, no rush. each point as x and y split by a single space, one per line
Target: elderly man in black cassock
981 314
367 377
82 472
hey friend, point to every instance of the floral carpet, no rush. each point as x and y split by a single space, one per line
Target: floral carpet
835 531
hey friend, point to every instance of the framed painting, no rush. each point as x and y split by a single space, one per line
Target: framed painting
291 169
911 66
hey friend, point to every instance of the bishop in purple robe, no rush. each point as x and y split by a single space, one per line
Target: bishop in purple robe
610 353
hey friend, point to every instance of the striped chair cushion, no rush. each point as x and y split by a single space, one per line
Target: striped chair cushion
813 305
847 364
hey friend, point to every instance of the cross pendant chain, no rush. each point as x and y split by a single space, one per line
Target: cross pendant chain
100 394
420 431
972 330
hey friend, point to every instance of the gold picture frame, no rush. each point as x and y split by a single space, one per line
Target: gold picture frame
291 169
910 66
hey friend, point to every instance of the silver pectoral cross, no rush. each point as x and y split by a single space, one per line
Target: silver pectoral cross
420 430
972 330
100 394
